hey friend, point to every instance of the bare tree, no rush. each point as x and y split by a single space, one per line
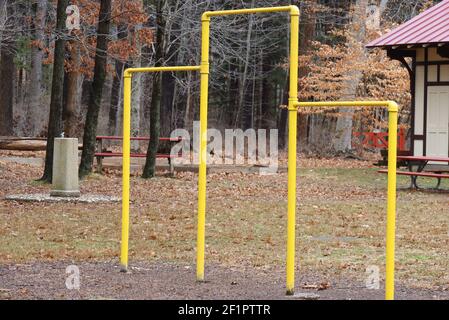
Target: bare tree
7 70
343 131
90 127
36 91
150 163
55 118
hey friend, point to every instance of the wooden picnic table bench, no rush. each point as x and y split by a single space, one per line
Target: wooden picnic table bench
420 163
102 153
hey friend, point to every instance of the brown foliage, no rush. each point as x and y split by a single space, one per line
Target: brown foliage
129 13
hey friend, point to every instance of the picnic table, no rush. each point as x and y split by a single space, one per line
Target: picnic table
102 153
420 163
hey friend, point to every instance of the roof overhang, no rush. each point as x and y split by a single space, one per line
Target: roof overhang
410 46
428 29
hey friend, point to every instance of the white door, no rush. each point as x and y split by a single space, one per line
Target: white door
438 121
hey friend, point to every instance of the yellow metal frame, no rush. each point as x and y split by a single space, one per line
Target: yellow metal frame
293 98
391 197
293 105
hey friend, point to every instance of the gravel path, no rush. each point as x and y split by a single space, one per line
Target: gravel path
41 197
169 281
23 160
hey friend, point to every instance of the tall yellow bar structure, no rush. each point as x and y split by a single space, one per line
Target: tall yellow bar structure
204 71
391 196
293 98
293 105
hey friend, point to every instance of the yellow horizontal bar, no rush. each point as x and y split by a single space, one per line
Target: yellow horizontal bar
292 9
392 106
130 71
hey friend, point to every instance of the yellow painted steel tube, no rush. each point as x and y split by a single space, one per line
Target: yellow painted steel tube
391 204
291 9
163 69
126 168
202 174
292 143
392 179
390 104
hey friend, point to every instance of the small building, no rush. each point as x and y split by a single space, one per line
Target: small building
425 39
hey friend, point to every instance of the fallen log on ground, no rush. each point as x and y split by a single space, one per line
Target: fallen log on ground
18 144
24 144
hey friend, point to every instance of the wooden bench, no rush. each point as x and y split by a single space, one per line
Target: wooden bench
102 153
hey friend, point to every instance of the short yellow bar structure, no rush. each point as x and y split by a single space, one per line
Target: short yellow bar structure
293 113
127 149
391 197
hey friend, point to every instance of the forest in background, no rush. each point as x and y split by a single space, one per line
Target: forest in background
73 80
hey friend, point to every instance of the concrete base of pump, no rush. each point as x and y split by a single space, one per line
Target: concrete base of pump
65 194
65 168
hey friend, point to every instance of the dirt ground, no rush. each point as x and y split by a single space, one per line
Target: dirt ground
100 281
340 233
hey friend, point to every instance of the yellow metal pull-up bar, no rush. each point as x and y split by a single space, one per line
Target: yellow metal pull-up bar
293 105
391 197
294 49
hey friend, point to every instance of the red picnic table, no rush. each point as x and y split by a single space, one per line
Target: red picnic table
420 163
100 154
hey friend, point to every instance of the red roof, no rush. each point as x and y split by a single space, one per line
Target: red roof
430 27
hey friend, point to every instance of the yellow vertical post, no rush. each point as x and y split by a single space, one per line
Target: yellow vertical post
292 128
201 237
126 168
391 199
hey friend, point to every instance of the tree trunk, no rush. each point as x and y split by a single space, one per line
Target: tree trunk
233 94
147 84
35 90
155 112
55 119
283 120
116 90
90 127
72 98
116 97
343 132
307 30
7 76
188 115
167 98
168 78
247 116
136 96
267 91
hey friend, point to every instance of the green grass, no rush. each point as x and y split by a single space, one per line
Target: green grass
340 224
